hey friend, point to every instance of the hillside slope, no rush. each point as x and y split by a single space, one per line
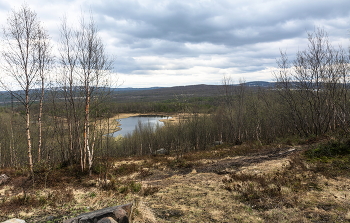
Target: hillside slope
229 184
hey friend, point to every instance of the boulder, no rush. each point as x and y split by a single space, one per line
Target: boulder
116 214
4 178
216 143
161 151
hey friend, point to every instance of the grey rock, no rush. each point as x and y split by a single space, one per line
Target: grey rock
107 220
4 178
119 214
15 220
50 218
161 151
216 143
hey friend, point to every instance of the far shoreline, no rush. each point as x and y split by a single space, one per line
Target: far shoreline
128 115
114 123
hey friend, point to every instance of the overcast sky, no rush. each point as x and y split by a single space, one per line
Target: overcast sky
185 42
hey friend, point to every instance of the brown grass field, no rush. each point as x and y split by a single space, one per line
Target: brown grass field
246 183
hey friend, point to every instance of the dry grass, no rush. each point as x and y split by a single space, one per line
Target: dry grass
262 184
292 193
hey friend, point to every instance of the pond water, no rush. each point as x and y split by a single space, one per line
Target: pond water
129 124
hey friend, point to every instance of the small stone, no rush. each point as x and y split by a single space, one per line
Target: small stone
15 220
107 220
347 216
50 218
121 215
194 171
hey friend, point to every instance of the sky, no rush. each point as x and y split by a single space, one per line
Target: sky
186 42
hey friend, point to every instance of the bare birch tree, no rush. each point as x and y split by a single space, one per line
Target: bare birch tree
314 84
68 59
45 61
22 64
94 64
84 58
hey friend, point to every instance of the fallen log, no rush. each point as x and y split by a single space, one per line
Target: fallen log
120 214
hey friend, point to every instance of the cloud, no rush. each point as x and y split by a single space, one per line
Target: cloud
199 40
219 22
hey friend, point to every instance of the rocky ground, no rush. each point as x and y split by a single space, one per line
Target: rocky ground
226 184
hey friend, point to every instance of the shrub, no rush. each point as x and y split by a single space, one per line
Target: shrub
330 159
330 149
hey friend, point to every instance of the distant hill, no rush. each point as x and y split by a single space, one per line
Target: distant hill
133 89
166 93
260 84
181 93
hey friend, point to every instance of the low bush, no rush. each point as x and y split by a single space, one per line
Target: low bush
330 159
330 149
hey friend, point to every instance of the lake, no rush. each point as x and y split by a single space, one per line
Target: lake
129 124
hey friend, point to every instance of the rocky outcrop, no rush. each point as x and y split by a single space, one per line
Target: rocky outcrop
116 214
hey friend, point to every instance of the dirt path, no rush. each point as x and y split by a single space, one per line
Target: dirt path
223 166
231 164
